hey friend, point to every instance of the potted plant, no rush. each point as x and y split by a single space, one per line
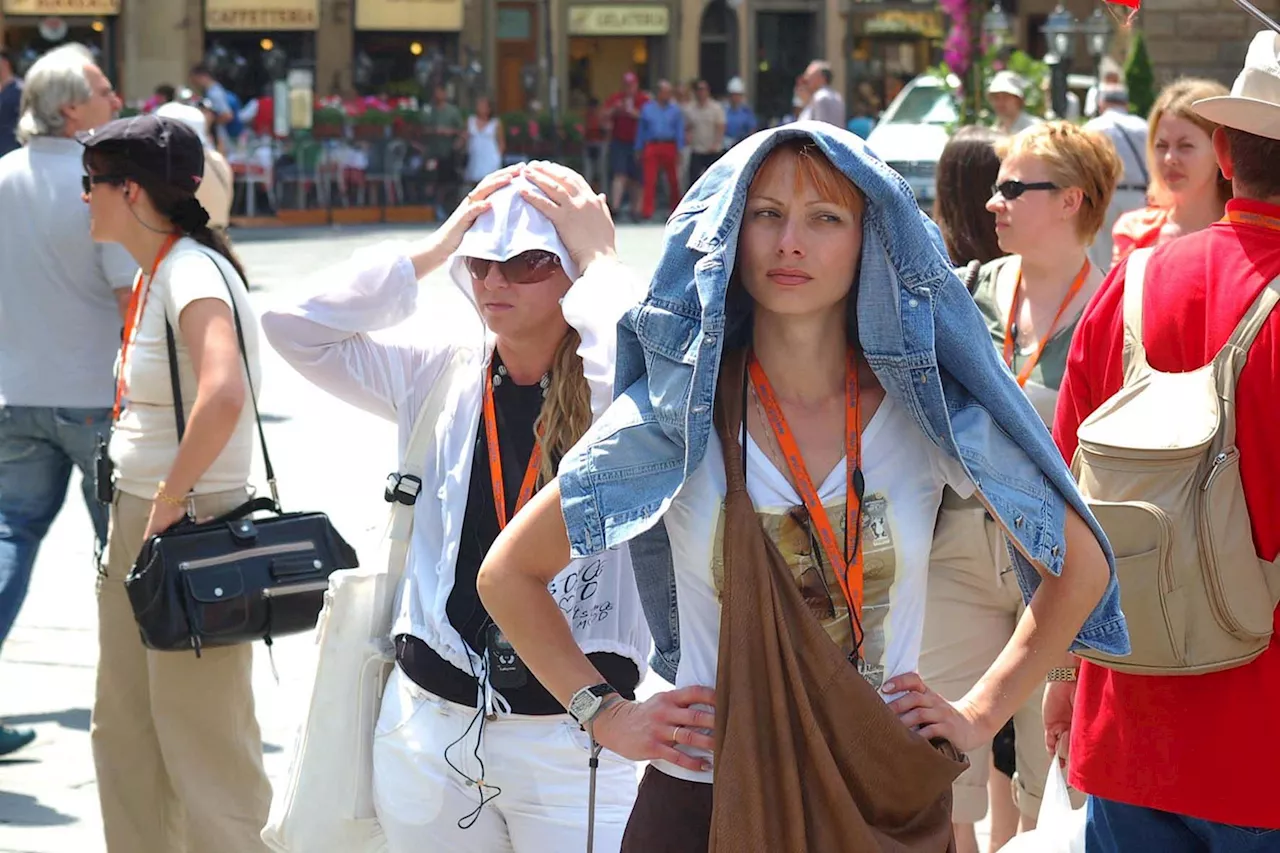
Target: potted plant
328 118
372 118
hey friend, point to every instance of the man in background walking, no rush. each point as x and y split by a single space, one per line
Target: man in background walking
62 298
1129 134
658 140
622 122
825 103
704 131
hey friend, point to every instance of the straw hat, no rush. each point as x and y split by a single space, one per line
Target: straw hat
1254 103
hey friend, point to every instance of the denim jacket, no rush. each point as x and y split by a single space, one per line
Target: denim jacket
920 333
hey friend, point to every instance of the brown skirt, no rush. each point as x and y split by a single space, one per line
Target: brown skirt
670 816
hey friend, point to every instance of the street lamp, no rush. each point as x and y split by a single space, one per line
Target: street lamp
995 24
1097 33
1060 30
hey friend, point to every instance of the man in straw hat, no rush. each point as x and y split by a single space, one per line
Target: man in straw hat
1007 94
1187 762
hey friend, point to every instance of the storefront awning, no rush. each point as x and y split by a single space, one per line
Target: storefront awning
616 20
45 8
409 15
261 15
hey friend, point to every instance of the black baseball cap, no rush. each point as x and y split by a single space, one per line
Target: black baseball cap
152 146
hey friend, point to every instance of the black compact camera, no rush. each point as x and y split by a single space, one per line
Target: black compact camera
506 670
104 472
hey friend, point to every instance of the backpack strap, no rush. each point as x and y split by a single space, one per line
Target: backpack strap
1235 354
1135 354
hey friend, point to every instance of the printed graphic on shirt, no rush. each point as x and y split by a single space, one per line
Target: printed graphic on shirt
581 592
797 541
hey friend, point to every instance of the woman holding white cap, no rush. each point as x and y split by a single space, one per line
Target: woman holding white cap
469 756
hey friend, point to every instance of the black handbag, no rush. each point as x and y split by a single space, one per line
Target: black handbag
237 578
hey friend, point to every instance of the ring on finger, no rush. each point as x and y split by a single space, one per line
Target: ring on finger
675 734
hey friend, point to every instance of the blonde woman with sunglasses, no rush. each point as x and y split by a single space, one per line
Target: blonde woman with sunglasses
471 753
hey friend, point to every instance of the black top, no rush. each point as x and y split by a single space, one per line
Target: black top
517 408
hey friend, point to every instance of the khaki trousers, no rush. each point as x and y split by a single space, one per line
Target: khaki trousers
974 604
175 741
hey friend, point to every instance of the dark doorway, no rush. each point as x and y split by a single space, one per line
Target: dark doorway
784 46
719 54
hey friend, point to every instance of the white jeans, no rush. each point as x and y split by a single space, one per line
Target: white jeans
538 763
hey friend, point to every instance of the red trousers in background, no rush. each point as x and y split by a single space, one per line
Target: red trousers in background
659 156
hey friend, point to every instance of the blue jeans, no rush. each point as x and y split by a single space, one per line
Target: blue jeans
38 447
1120 828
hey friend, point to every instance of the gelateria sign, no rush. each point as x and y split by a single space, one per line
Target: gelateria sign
261 15
619 20
419 15
61 7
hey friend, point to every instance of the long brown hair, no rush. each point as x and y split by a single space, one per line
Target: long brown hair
566 412
967 170
174 204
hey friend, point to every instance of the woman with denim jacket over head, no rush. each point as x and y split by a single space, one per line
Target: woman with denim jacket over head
1049 202
814 406
471 752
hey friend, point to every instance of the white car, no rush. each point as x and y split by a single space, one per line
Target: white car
913 131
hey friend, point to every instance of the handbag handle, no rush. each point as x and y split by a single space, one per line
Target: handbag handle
175 381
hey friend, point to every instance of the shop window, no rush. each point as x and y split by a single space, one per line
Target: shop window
403 64
247 63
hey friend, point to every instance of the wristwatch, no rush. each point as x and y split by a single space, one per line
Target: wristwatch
590 701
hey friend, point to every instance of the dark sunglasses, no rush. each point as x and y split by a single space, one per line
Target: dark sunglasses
87 181
1009 190
525 268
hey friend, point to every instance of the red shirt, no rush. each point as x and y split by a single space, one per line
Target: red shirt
1200 745
625 126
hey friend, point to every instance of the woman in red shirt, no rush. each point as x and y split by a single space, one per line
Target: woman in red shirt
1188 191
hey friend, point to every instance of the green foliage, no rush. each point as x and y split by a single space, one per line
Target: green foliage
328 117
1139 77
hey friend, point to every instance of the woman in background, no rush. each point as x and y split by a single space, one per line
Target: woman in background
1188 191
1050 199
484 141
967 170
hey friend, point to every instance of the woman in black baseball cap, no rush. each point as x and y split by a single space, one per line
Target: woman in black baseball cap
175 740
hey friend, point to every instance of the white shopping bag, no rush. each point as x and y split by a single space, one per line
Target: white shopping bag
1059 828
326 805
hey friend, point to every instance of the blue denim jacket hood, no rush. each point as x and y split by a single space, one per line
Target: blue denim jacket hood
920 333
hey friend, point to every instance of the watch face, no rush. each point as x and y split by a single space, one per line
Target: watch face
583 705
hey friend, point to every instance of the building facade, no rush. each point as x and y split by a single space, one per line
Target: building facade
401 47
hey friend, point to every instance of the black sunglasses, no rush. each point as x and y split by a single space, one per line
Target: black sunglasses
1009 190
87 181
525 268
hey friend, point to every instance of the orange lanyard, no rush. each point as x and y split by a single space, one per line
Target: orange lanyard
1247 217
495 461
133 317
1014 307
847 561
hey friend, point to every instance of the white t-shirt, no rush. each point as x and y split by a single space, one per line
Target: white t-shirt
145 440
904 475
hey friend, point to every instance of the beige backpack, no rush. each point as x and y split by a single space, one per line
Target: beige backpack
1158 465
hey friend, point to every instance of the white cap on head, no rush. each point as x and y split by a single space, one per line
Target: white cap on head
737 87
1008 83
193 117
1254 103
511 226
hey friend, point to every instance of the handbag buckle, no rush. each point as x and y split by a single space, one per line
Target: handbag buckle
402 488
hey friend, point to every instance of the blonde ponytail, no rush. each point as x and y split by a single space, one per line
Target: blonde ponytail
566 413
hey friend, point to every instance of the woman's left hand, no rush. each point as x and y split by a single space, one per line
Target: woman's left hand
932 716
163 516
580 214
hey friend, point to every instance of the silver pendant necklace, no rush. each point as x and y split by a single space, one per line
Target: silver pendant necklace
501 374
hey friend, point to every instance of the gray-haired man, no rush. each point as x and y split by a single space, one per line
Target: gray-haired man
61 302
